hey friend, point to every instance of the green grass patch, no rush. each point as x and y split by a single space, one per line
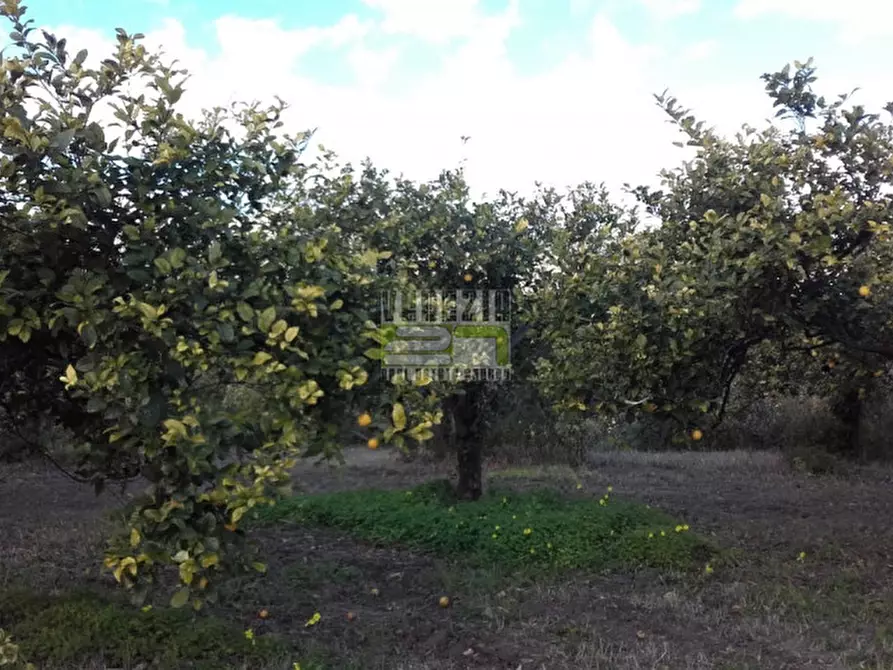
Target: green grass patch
540 530
77 629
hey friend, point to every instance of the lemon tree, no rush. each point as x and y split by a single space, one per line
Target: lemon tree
774 242
186 297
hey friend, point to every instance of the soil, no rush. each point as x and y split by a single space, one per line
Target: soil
766 607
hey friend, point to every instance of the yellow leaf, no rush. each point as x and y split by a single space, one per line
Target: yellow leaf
398 416
71 376
134 537
278 328
148 311
522 225
176 427
261 357
238 513
291 334
210 559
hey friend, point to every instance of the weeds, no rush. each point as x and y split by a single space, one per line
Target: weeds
76 629
538 530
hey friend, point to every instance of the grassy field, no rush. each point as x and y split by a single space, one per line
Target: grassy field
758 567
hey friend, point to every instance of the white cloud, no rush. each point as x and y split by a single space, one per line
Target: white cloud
669 9
372 67
590 117
282 47
438 21
857 20
698 51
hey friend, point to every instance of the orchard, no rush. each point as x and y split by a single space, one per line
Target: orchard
196 306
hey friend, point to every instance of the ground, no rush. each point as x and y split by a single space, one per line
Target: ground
810 586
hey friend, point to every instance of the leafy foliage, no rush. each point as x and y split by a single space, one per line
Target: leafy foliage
527 531
153 273
778 237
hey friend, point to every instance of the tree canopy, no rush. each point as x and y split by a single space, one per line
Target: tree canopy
197 305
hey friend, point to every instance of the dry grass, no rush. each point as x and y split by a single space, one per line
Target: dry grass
754 462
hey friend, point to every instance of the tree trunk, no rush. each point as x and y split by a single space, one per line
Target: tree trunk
462 412
848 410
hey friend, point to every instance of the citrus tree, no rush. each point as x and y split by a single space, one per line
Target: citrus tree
153 271
779 236
441 239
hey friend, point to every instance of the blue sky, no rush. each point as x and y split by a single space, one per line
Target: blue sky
550 90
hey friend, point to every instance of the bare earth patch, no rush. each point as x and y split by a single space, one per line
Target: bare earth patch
767 607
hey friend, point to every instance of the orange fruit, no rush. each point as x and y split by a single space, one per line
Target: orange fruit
263 614
864 291
444 601
364 419
467 276
372 443
696 434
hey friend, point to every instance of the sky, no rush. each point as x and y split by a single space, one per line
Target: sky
550 91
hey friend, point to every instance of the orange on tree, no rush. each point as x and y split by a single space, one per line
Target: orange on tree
372 443
364 419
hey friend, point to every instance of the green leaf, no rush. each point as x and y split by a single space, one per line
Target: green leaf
63 139
245 312
278 328
89 335
131 232
180 598
226 332
163 265
215 253
265 319
291 333
374 354
177 257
